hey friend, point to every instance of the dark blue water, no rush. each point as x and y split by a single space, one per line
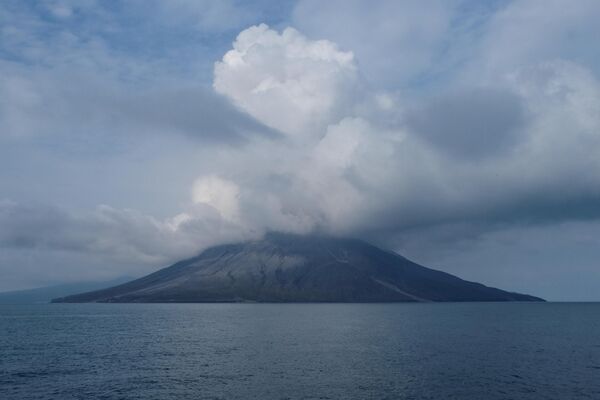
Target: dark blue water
303 351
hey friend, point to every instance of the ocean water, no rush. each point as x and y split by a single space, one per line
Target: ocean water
300 351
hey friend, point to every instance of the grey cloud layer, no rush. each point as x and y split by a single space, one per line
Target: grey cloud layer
41 104
472 123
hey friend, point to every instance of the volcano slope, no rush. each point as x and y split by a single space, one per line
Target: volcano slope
297 268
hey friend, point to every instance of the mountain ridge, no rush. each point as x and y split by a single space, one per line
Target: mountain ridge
284 267
44 294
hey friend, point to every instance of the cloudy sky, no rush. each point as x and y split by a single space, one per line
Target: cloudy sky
463 134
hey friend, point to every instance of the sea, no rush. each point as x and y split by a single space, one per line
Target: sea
300 351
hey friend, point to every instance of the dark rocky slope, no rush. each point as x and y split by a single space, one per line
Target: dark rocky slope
294 268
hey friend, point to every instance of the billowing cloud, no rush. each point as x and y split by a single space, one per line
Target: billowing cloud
473 160
218 193
286 81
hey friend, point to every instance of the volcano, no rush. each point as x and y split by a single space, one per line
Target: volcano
297 268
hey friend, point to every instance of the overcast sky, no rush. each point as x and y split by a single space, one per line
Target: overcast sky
463 134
